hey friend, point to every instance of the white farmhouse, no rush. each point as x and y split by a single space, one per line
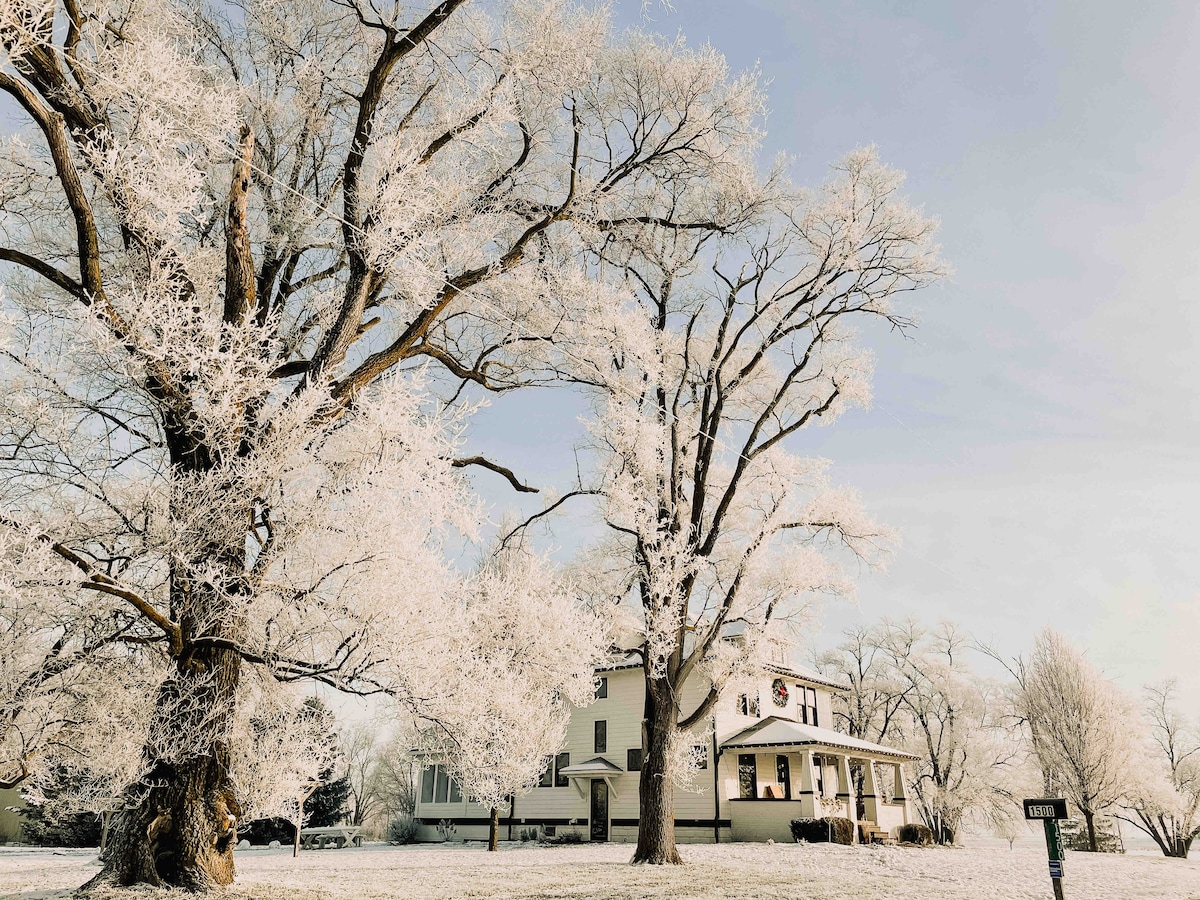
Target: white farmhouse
768 755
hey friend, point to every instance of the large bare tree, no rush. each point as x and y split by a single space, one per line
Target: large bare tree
250 248
707 352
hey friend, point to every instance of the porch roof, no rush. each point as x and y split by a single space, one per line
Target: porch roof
776 732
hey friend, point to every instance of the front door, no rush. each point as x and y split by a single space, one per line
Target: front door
599 813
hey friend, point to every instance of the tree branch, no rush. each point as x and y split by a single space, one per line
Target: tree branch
495 467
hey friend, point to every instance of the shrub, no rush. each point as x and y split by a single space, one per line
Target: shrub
1075 835
528 834
915 833
403 830
820 831
567 837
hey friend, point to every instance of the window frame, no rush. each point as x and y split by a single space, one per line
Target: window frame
561 761
747 763
783 774
632 754
600 736
601 688
428 783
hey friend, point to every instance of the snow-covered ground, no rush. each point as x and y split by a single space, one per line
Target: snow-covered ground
744 871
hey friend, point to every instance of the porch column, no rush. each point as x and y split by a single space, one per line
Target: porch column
843 790
902 791
870 795
809 804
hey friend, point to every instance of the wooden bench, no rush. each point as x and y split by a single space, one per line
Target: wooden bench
336 835
875 834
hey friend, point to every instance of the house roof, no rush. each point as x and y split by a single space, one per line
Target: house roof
806 675
633 660
593 767
776 732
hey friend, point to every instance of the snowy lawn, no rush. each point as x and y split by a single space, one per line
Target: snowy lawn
744 871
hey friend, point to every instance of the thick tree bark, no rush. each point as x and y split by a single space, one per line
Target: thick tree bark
179 826
494 829
656 822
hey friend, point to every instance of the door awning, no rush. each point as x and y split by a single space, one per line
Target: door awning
582 773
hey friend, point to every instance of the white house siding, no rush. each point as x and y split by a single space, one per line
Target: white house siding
564 809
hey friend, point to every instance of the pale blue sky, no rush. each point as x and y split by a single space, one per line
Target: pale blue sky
1036 440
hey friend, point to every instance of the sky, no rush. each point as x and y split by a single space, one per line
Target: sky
1034 440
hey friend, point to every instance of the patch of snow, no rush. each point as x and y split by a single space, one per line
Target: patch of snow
727 871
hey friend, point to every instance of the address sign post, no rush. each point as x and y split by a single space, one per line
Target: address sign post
1050 810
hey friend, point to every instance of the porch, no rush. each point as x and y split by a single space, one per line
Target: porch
779 770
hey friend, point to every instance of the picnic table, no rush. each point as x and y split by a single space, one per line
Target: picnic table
336 835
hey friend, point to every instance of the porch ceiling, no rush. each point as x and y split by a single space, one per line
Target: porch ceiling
776 732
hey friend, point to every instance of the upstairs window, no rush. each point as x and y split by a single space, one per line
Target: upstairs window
601 688
601 736
561 762
633 759
806 705
547 779
747 704
700 756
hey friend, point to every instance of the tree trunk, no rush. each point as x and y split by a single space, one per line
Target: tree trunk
179 824
1090 818
494 829
656 820
105 821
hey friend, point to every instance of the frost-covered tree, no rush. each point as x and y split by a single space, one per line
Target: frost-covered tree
1164 798
530 644
290 751
871 708
957 723
243 244
363 747
1080 725
706 352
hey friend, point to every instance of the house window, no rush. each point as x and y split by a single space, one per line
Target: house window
783 774
806 705
601 742
633 759
747 776
428 775
561 762
818 767
747 704
700 756
547 779
601 688
438 787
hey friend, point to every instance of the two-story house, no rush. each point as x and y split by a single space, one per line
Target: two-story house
768 755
